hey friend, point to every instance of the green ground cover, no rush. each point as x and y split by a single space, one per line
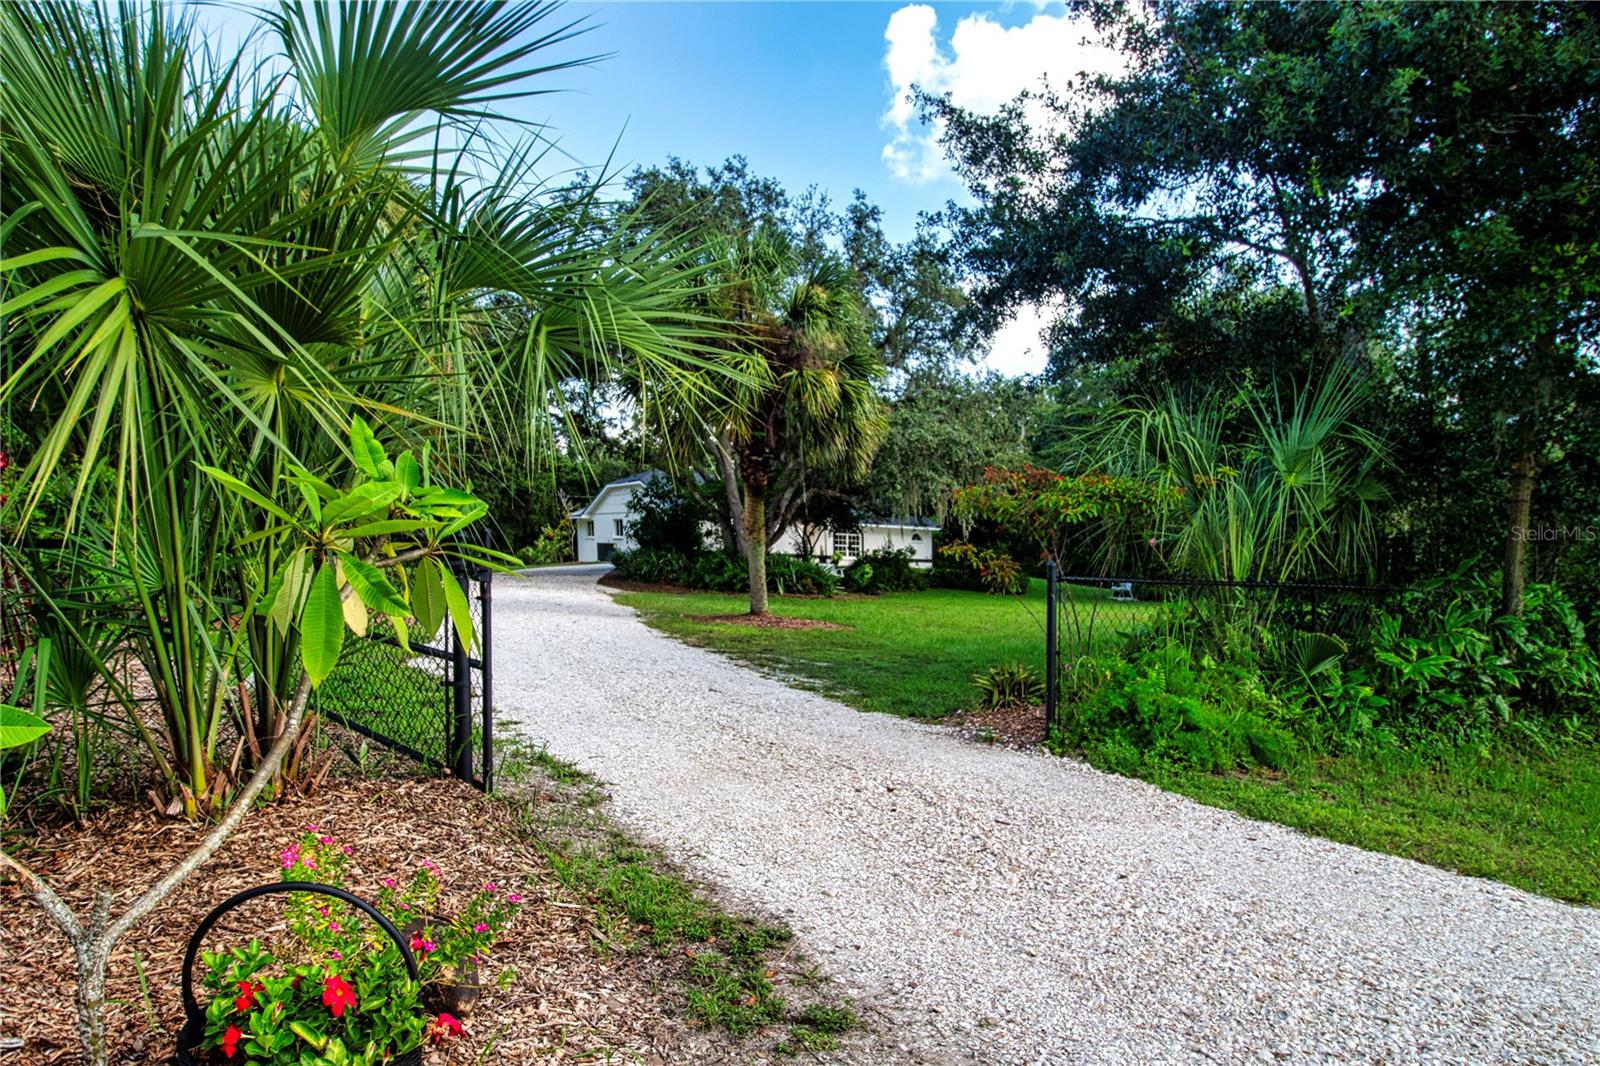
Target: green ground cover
1531 819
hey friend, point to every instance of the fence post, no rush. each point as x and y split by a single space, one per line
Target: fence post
460 708
486 690
1051 649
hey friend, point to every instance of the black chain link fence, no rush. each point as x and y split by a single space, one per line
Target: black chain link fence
432 702
1096 614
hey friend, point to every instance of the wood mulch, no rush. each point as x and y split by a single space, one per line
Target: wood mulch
611 580
561 1001
1018 725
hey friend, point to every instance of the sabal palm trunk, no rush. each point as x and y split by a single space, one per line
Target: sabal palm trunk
755 538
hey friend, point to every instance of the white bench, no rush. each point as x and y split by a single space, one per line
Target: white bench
1122 592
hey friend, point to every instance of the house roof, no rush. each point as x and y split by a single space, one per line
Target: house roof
643 477
903 522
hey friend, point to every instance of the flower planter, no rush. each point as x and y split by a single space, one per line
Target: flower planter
457 991
191 1036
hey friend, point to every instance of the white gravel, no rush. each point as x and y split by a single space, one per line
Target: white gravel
1015 908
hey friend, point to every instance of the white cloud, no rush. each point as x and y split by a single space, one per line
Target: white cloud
1018 348
983 66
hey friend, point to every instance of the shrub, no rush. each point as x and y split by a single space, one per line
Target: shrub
1007 685
1446 662
554 545
663 519
1165 704
719 571
790 574
884 570
654 566
996 571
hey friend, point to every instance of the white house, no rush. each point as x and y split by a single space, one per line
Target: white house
601 529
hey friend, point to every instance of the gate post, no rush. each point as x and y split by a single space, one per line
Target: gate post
1051 641
486 688
460 708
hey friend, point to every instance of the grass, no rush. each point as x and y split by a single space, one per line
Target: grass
906 653
1528 819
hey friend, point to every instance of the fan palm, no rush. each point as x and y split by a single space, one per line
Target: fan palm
204 266
1296 498
816 403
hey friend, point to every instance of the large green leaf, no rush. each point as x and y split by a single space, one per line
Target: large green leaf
365 449
460 612
293 579
322 626
427 599
18 727
373 588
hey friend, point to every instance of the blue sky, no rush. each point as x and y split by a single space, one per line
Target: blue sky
799 89
809 93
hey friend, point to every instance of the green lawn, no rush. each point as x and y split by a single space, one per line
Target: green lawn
1531 821
905 653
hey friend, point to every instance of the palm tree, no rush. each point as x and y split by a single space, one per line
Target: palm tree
815 405
1295 498
206 264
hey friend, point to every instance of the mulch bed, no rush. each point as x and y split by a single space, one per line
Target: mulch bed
611 580
1018 725
765 621
561 1001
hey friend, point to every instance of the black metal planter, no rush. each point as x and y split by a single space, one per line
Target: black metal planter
194 1025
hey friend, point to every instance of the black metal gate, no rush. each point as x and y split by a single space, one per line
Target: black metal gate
434 702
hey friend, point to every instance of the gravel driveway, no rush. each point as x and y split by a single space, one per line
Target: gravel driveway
1004 907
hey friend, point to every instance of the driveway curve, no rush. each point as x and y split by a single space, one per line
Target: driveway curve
1006 907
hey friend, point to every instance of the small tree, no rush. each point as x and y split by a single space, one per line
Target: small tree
1048 508
332 548
661 518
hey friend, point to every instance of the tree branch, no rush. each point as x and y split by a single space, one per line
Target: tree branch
46 897
241 806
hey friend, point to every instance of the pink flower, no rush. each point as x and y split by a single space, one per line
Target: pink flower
422 946
324 840
481 927
334 927
514 898
311 829
388 882
336 955
488 886
289 856
347 849
322 911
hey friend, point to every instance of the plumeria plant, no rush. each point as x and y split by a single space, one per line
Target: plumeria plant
326 558
334 991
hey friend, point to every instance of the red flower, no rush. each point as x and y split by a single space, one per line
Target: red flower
247 995
337 995
230 1040
445 1025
